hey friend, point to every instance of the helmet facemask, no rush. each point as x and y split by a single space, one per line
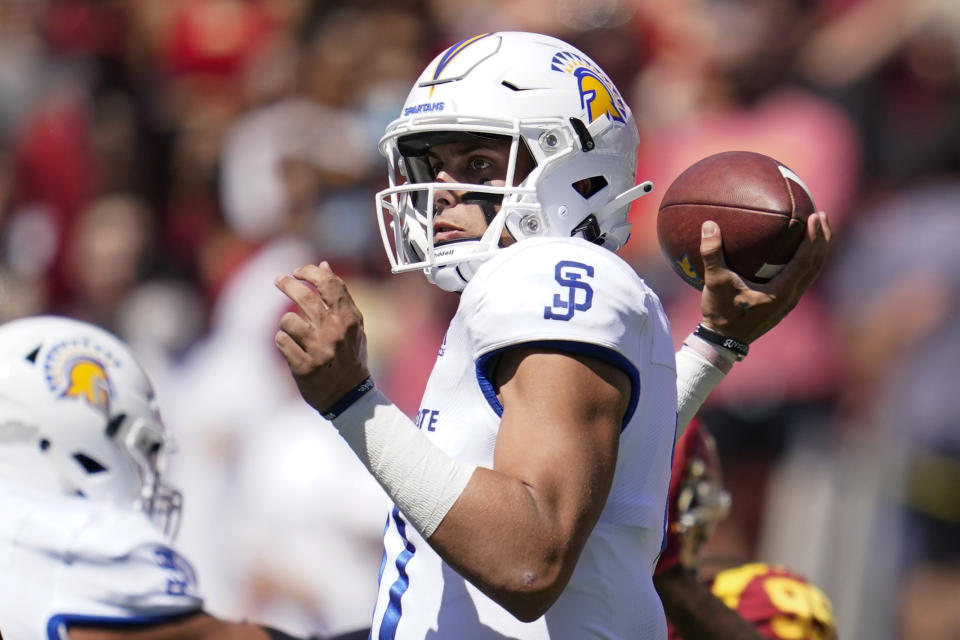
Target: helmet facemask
147 443
410 204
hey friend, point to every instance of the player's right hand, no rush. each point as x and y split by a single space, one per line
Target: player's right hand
323 341
733 307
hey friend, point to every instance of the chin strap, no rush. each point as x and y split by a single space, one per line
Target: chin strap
454 277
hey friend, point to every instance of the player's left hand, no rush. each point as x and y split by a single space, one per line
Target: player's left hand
746 310
324 344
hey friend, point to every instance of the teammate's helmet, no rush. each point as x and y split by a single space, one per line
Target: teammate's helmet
78 416
696 484
543 95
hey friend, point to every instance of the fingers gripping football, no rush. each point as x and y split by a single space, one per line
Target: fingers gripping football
323 342
732 307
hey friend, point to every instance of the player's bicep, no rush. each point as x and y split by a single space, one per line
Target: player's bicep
560 428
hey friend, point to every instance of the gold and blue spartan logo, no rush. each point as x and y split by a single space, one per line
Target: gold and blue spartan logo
77 370
684 267
449 55
597 93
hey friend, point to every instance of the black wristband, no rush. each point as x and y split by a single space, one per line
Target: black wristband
738 347
352 396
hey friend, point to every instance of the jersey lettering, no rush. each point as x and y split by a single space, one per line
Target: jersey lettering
570 274
428 417
443 347
182 578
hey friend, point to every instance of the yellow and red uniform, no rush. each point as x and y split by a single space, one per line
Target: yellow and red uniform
782 605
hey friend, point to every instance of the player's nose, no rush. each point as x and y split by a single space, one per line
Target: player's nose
444 198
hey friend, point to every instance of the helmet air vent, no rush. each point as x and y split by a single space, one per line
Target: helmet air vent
586 140
513 87
89 464
589 230
32 356
114 425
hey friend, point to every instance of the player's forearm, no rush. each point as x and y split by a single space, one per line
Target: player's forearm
701 366
508 542
420 478
695 612
500 533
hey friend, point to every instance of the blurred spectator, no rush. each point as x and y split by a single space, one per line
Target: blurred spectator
313 573
719 78
280 159
895 67
21 290
107 254
56 171
895 294
233 377
22 72
279 163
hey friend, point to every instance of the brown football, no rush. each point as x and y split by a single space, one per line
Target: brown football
760 205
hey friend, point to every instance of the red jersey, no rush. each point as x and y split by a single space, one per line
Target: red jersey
780 604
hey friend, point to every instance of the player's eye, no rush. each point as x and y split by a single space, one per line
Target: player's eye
479 164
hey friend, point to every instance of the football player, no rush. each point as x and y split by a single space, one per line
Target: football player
86 534
747 602
530 489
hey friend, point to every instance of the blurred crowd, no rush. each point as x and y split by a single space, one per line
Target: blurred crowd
161 161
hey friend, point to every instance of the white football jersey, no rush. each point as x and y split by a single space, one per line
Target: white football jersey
567 294
64 560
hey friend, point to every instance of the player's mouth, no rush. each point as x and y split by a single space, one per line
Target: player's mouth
444 233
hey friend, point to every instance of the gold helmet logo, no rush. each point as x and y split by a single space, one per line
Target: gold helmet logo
597 94
87 379
684 267
77 369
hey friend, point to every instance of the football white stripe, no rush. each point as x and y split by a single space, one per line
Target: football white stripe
768 270
790 175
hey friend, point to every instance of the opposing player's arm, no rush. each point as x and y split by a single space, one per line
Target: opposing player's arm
695 612
200 626
517 530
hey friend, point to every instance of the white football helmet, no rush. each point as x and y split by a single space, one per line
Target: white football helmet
536 91
78 416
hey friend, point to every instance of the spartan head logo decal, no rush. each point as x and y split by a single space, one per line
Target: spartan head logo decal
77 370
597 94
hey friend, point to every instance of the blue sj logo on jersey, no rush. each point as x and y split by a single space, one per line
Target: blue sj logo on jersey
571 275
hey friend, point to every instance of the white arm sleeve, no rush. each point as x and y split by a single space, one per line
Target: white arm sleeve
701 366
422 480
